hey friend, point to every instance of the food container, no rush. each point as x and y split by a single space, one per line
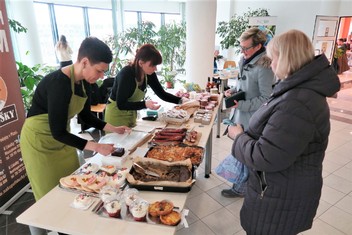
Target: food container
139 181
177 153
126 215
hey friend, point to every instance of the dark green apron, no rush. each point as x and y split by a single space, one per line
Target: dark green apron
117 117
46 159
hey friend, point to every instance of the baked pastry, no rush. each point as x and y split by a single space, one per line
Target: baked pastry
89 168
85 180
113 208
160 208
98 184
123 171
110 169
119 152
177 153
139 209
69 182
82 201
172 218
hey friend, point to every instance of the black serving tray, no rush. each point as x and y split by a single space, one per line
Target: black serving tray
162 188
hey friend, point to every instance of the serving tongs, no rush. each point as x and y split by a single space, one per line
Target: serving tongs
145 171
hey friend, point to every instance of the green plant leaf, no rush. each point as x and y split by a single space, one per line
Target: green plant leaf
229 32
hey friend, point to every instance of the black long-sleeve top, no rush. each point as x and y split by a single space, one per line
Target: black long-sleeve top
53 96
125 84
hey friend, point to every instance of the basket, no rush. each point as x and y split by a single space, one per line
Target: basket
175 117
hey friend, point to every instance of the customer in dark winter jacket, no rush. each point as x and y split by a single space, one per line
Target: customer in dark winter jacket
285 143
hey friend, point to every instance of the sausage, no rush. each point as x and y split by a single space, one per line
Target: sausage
170 133
170 138
174 130
165 141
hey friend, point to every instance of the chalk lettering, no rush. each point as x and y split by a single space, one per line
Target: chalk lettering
4 46
1 18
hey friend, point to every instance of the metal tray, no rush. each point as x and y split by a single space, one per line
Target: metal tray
127 216
182 145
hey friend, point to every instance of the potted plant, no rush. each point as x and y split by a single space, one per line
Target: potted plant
232 30
170 40
172 45
29 79
168 77
126 43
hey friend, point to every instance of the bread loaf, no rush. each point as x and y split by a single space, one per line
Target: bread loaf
190 104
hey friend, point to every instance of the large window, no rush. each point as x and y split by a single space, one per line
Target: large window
46 38
76 22
152 17
170 18
130 19
100 23
70 22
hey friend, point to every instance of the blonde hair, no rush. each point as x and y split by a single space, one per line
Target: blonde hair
293 50
257 35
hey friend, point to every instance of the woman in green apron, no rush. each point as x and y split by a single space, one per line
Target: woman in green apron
48 148
128 92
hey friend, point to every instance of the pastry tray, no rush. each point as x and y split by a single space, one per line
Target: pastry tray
127 216
151 146
163 188
92 194
80 171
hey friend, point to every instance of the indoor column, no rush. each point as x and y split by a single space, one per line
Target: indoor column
200 42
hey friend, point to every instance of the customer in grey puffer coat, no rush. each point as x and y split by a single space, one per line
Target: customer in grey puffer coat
285 143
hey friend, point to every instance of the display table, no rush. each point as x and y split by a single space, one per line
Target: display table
53 211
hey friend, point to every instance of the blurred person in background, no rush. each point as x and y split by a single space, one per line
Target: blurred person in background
63 52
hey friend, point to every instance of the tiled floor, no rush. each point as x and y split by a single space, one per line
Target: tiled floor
210 213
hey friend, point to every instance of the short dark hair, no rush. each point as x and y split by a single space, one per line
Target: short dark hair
95 50
257 35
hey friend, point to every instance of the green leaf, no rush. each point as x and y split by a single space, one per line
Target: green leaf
229 32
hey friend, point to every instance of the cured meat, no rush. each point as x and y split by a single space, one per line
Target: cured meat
170 135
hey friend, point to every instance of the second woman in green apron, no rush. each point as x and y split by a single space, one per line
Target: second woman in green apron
128 92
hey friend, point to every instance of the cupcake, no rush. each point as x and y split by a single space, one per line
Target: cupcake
130 195
139 209
82 201
113 208
117 180
107 192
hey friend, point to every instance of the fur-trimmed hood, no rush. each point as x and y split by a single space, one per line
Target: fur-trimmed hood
264 61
